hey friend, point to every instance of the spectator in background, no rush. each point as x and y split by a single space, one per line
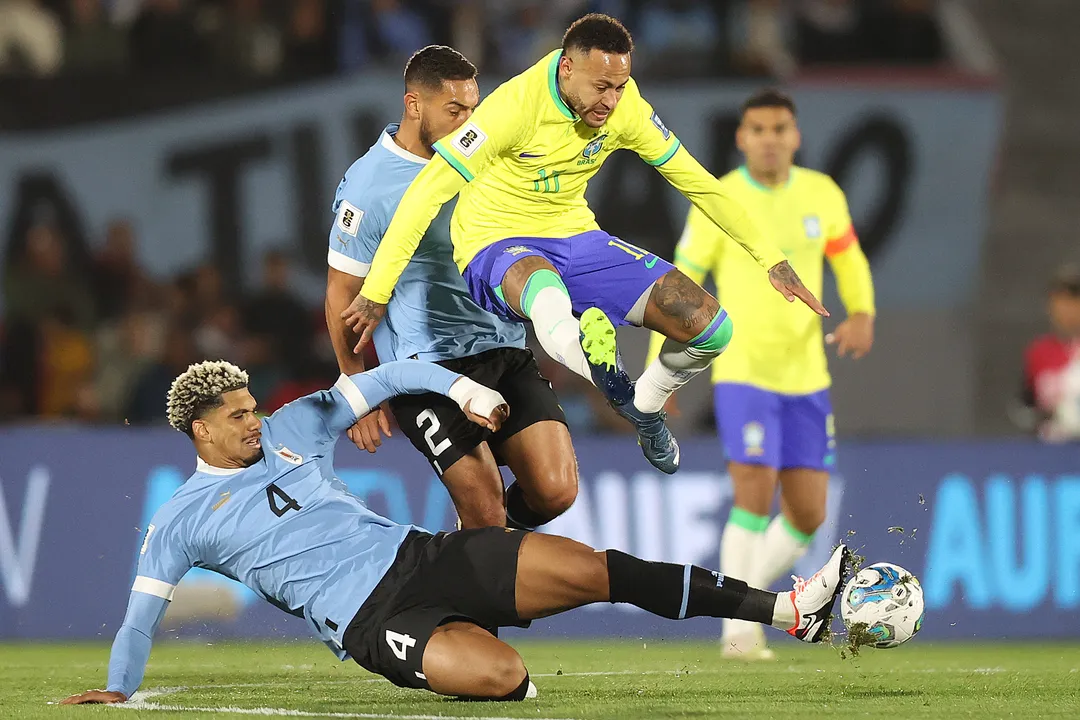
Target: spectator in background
275 316
680 37
163 38
125 350
116 276
93 44
147 403
248 42
309 49
401 30
43 285
30 39
829 31
1051 390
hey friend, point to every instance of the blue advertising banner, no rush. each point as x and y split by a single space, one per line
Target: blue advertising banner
991 528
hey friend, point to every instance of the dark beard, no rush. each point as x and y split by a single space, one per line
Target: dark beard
426 138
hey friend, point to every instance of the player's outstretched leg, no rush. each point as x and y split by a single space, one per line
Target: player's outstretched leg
556 574
598 342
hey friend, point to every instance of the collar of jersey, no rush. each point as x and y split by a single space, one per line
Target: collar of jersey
387 141
205 467
765 188
553 86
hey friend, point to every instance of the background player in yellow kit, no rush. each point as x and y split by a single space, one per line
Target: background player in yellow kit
771 387
530 249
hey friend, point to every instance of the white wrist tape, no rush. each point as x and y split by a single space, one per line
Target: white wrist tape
484 399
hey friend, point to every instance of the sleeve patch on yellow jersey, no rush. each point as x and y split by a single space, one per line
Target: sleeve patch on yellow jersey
660 125
468 139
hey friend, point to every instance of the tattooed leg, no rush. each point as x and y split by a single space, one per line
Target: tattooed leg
697 331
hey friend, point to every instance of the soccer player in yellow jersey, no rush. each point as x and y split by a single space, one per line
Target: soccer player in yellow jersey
530 248
771 387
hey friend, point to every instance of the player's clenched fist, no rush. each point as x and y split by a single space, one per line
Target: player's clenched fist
91 697
363 316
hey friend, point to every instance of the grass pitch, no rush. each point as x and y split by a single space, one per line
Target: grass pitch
622 680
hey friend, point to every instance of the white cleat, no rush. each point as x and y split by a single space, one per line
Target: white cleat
747 646
814 598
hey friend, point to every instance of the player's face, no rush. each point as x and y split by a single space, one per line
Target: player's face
769 138
233 429
593 83
1065 313
444 112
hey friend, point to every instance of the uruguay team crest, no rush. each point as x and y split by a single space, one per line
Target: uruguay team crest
594 147
753 437
812 225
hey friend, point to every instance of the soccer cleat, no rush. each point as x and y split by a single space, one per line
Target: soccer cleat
602 354
814 598
657 443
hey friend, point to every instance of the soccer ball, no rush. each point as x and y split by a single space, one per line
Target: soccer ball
885 601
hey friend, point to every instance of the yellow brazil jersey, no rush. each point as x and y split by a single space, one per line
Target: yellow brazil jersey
777 345
521 165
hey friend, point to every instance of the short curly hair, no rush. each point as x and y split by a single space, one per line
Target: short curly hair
198 390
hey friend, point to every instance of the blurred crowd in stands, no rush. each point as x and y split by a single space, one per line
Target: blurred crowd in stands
305 38
97 339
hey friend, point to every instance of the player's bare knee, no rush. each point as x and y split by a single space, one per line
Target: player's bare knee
503 674
513 282
680 308
559 491
807 520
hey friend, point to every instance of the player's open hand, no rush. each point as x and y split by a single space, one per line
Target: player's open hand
783 278
365 432
363 316
95 697
854 335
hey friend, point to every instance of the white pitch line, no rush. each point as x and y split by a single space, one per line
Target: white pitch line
141 701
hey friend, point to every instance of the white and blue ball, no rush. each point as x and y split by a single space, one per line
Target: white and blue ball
888 600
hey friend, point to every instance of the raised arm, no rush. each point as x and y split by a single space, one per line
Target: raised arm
647 135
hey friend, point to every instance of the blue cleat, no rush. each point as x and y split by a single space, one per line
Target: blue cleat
602 354
660 447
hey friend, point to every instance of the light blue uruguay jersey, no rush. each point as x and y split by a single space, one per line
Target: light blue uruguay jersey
431 315
285 526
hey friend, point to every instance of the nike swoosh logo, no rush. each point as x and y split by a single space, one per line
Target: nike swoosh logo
649 263
530 155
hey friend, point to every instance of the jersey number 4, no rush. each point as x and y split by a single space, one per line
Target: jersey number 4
273 494
399 643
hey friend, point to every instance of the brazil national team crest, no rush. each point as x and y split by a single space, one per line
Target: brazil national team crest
595 146
753 437
812 225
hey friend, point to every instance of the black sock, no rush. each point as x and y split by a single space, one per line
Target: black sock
516 696
518 513
684 591
519 694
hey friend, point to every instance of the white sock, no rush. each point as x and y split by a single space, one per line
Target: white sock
782 547
673 368
740 552
558 330
784 612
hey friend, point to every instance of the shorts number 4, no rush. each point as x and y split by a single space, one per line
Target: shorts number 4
399 643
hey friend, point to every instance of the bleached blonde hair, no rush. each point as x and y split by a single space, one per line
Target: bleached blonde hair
199 388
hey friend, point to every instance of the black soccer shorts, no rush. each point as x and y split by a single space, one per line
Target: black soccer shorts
468 575
437 427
